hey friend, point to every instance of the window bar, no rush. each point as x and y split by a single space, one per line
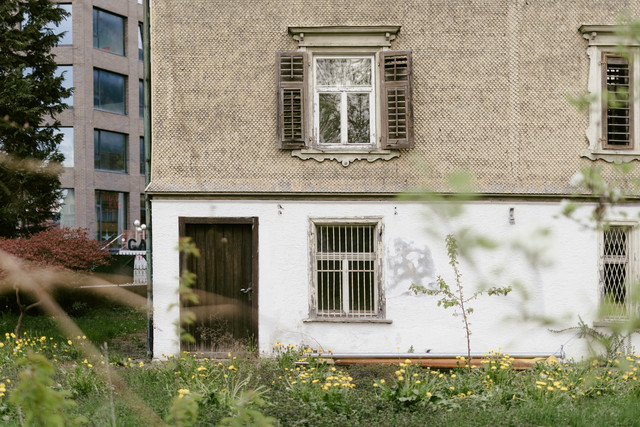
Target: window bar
321 272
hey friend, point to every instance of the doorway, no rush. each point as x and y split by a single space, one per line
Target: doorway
226 316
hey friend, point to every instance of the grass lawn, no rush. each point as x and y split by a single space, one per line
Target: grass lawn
288 389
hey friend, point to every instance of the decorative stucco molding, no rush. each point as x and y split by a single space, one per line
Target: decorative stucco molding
345 157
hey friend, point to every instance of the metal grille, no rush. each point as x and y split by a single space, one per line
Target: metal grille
292 68
292 113
396 68
346 276
397 113
615 271
618 102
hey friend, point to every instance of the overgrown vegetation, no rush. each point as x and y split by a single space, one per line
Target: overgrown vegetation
294 388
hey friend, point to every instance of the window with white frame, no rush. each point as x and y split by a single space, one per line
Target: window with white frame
613 110
346 270
344 91
343 100
617 271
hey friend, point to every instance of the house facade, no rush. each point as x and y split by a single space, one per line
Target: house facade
310 150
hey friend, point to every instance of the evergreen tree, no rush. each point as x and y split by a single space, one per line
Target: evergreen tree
30 98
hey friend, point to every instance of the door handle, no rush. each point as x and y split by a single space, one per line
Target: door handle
247 290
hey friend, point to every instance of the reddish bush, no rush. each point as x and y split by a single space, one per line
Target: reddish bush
70 248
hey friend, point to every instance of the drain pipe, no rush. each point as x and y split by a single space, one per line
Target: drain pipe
146 39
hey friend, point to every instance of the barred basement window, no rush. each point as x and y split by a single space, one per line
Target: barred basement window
346 270
617 111
617 272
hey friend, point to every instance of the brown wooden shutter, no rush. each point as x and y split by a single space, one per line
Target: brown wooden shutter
291 76
617 107
396 73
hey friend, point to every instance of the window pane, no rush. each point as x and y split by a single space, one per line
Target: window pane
111 212
143 210
140 46
68 208
108 32
141 98
343 71
66 71
358 118
361 291
142 159
110 150
109 91
65 26
329 125
66 146
329 286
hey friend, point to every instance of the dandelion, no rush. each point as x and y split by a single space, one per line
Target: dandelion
453 375
141 364
69 342
400 378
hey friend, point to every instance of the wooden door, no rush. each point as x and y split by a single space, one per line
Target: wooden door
226 284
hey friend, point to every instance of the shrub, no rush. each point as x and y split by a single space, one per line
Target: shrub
69 248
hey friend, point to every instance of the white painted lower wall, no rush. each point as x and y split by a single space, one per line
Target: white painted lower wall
560 284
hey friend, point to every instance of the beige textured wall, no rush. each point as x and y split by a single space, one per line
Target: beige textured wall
490 86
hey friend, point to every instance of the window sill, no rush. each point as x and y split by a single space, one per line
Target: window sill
611 156
346 320
345 157
605 323
111 171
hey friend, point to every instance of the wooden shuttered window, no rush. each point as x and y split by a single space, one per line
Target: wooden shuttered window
396 98
617 108
291 76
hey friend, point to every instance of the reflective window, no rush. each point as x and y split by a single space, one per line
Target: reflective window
67 213
66 146
109 91
143 210
65 27
140 46
108 32
66 71
142 155
141 98
110 149
111 215
344 97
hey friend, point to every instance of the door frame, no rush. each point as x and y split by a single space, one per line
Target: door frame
184 220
